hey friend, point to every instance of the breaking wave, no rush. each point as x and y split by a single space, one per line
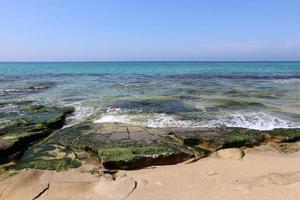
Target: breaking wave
259 121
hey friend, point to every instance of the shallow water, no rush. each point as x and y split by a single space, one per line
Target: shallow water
260 95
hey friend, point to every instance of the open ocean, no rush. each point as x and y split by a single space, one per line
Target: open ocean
259 95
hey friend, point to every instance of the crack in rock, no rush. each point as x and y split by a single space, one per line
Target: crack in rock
42 192
135 186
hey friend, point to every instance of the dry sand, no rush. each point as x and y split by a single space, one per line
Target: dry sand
263 173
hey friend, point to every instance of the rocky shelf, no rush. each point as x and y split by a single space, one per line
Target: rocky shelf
31 136
124 146
27 124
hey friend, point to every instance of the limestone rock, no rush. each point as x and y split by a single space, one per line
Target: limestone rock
49 185
23 186
120 188
89 168
231 153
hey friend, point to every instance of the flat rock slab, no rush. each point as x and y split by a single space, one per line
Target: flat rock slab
44 185
116 145
119 134
25 185
125 146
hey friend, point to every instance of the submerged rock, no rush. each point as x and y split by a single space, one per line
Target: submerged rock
237 104
27 88
168 105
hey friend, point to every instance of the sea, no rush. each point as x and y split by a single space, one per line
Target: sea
257 95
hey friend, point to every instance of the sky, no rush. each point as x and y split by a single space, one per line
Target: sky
133 30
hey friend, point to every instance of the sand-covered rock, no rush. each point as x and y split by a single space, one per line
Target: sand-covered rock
231 153
50 185
25 185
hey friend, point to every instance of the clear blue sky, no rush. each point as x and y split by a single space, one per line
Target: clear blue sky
70 30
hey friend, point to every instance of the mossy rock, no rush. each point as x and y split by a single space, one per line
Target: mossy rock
20 135
139 157
108 143
49 164
124 146
128 153
236 138
282 135
48 156
6 124
67 109
238 103
290 133
18 102
33 108
33 123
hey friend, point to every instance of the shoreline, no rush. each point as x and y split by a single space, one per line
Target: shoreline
42 143
263 172
87 160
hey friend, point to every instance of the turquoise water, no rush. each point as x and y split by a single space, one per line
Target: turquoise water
261 95
166 68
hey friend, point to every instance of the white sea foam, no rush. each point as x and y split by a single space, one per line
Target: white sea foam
163 120
259 121
8 107
81 113
287 81
156 120
115 118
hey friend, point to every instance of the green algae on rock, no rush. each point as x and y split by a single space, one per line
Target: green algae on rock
128 153
287 135
115 145
124 146
237 103
32 123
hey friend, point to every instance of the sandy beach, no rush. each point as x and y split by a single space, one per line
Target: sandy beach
263 173
259 175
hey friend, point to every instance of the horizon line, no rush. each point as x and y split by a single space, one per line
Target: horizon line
91 61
